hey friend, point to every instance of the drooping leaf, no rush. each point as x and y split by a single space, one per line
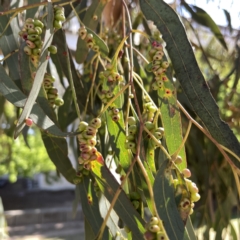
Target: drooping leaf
189 74
59 40
123 206
91 210
30 13
171 119
117 135
113 219
8 44
228 18
13 94
37 83
57 150
203 18
95 9
165 203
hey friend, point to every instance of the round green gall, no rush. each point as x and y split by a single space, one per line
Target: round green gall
165 64
33 37
38 30
195 197
131 121
132 129
57 24
95 122
116 118
29 20
60 17
149 125
154 221
38 23
130 137
52 49
36 51
32 31
130 145
95 48
59 102
27 50
178 159
154 228
160 130
38 43
82 32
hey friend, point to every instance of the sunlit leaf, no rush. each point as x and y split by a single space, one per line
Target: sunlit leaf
189 74
203 18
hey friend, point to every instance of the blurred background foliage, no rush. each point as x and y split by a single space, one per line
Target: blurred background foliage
219 203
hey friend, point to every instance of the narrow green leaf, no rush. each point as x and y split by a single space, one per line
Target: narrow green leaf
123 206
113 219
39 74
203 18
59 40
57 150
165 203
228 18
189 74
190 229
13 94
8 44
30 13
95 9
171 119
82 51
91 211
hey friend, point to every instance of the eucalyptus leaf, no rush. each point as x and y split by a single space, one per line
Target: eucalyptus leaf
188 73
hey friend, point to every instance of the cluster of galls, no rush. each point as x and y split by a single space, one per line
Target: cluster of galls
156 131
186 204
87 142
149 110
109 79
31 33
131 137
153 230
88 38
59 17
52 92
158 67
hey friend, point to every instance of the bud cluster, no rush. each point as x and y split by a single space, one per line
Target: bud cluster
188 199
87 142
31 33
158 67
131 137
156 131
109 80
59 17
51 91
154 231
149 110
88 38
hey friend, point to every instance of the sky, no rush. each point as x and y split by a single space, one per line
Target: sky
215 9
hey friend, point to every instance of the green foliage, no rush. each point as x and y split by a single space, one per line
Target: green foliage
135 137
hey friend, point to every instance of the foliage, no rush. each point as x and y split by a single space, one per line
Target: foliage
137 131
